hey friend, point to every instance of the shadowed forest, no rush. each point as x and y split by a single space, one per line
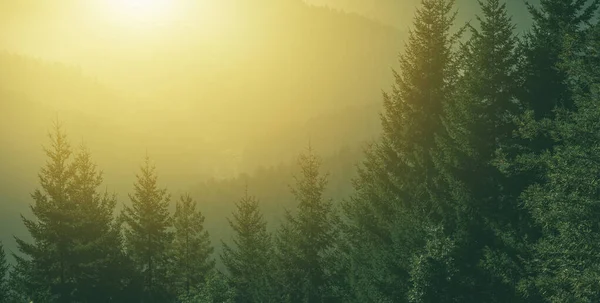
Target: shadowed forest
299 151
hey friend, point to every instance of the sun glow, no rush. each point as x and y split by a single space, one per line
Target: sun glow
141 12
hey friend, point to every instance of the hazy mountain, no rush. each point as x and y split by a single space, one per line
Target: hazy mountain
199 107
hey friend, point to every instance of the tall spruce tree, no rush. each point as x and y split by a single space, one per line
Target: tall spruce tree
544 84
4 287
392 210
552 91
249 261
566 204
485 214
76 254
192 262
147 235
101 272
307 237
43 272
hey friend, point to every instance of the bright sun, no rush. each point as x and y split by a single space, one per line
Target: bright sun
208 19
138 12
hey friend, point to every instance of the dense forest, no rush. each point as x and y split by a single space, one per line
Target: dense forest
481 184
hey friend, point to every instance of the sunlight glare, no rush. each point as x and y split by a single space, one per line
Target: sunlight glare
137 12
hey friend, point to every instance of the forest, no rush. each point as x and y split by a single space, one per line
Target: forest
477 182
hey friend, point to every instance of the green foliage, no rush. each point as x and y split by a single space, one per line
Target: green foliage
393 203
481 219
307 237
103 271
566 203
76 254
4 287
191 249
147 237
249 261
45 271
544 79
215 290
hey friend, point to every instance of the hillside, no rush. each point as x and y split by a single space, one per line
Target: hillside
310 74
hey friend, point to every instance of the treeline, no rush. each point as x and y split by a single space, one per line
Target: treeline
82 252
482 188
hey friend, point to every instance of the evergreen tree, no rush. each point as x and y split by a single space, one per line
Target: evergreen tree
249 261
566 203
4 289
553 90
101 267
544 78
484 217
44 273
191 247
147 235
76 254
393 208
215 290
306 238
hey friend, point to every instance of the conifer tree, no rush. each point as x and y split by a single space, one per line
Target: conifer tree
192 249
249 260
4 289
545 88
147 234
101 267
393 208
43 272
215 290
76 254
484 221
566 204
307 237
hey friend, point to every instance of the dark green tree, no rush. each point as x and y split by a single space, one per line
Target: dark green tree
101 268
4 287
147 236
192 249
215 290
307 237
544 79
393 208
483 221
555 81
77 250
44 271
249 260
565 204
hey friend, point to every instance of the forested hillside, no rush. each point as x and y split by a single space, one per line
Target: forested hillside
205 119
282 175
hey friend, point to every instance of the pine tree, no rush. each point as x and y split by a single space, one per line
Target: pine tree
307 237
76 254
249 261
566 204
101 267
44 273
485 213
544 79
147 235
4 289
191 248
215 290
393 208
552 92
